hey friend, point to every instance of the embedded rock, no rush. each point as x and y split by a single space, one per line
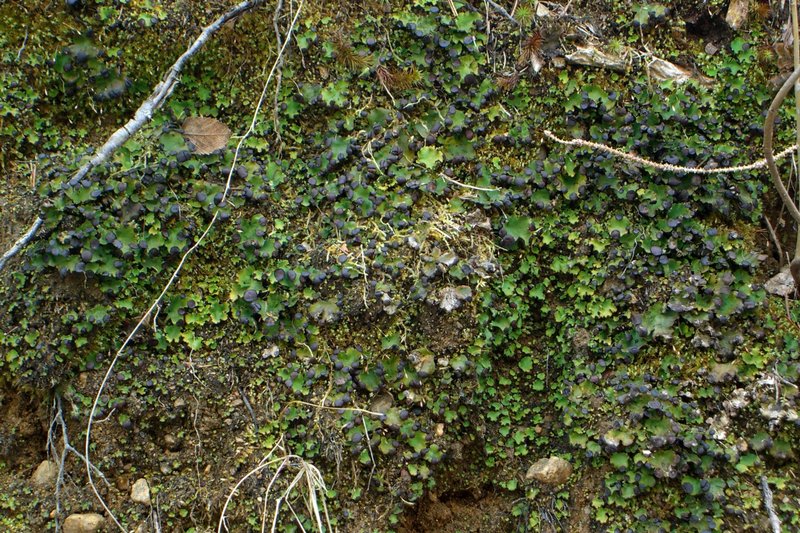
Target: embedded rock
84 523
552 471
719 425
45 474
381 403
722 373
737 13
450 298
140 492
781 284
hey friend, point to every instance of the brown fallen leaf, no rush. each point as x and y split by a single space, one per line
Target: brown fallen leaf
206 134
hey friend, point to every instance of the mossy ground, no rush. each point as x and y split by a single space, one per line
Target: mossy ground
401 239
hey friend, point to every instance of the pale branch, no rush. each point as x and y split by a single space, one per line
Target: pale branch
161 92
21 242
775 240
174 276
246 401
761 163
774 521
500 9
796 58
153 103
22 48
769 131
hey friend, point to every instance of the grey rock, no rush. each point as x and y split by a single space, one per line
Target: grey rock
711 49
140 492
448 259
720 424
424 361
738 400
172 443
781 284
737 13
83 523
552 471
45 474
449 301
721 373
381 403
701 340
450 298
542 11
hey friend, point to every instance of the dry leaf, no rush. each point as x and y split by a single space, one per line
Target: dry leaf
206 134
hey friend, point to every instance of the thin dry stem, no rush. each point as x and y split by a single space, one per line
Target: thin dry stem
775 241
500 9
774 521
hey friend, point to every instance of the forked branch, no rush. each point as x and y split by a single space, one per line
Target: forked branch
769 132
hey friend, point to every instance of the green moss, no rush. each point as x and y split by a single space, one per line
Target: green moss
592 297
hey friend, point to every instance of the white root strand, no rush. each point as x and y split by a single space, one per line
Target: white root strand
761 163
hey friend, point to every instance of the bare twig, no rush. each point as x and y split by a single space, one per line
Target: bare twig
330 408
500 9
453 8
794 270
371 456
314 495
61 457
796 57
775 241
769 128
155 517
246 401
22 48
154 102
774 521
239 9
22 242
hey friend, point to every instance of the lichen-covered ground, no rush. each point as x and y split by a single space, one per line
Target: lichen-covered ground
411 294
